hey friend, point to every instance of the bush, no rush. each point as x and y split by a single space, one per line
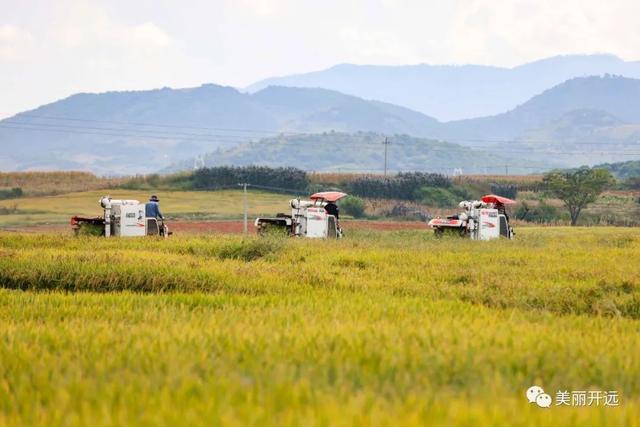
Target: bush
176 181
352 205
225 176
461 193
12 193
404 186
543 213
632 183
439 197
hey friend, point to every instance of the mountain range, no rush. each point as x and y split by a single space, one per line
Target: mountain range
584 120
144 131
617 96
455 92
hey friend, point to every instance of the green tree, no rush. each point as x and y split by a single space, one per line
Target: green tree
578 188
354 206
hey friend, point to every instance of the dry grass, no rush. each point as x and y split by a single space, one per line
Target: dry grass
41 183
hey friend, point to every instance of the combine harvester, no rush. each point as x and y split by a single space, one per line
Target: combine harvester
121 218
308 218
484 219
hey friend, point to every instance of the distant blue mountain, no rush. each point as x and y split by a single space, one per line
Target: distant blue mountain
617 96
582 121
145 131
454 92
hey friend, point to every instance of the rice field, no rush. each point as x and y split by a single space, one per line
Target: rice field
382 328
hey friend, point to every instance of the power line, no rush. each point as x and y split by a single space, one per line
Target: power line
222 139
279 132
44 127
152 124
229 139
116 134
461 149
165 133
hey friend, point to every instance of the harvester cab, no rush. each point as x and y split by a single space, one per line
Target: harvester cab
121 218
309 218
484 219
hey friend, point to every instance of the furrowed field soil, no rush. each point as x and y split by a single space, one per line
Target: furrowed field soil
381 328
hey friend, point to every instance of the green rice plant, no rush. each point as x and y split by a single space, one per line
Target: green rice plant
249 249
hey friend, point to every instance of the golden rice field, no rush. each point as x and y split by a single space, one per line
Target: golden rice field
381 328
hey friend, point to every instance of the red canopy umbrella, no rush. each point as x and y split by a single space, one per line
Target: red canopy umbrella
492 198
329 196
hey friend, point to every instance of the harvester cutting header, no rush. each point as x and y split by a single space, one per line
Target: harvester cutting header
483 219
315 218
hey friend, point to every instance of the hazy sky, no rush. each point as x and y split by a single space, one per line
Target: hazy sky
52 49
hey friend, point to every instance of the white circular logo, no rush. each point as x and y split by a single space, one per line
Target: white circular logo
533 392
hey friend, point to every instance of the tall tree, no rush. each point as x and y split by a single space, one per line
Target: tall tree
578 188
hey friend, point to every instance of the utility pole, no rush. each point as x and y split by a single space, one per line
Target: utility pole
246 206
386 148
506 169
